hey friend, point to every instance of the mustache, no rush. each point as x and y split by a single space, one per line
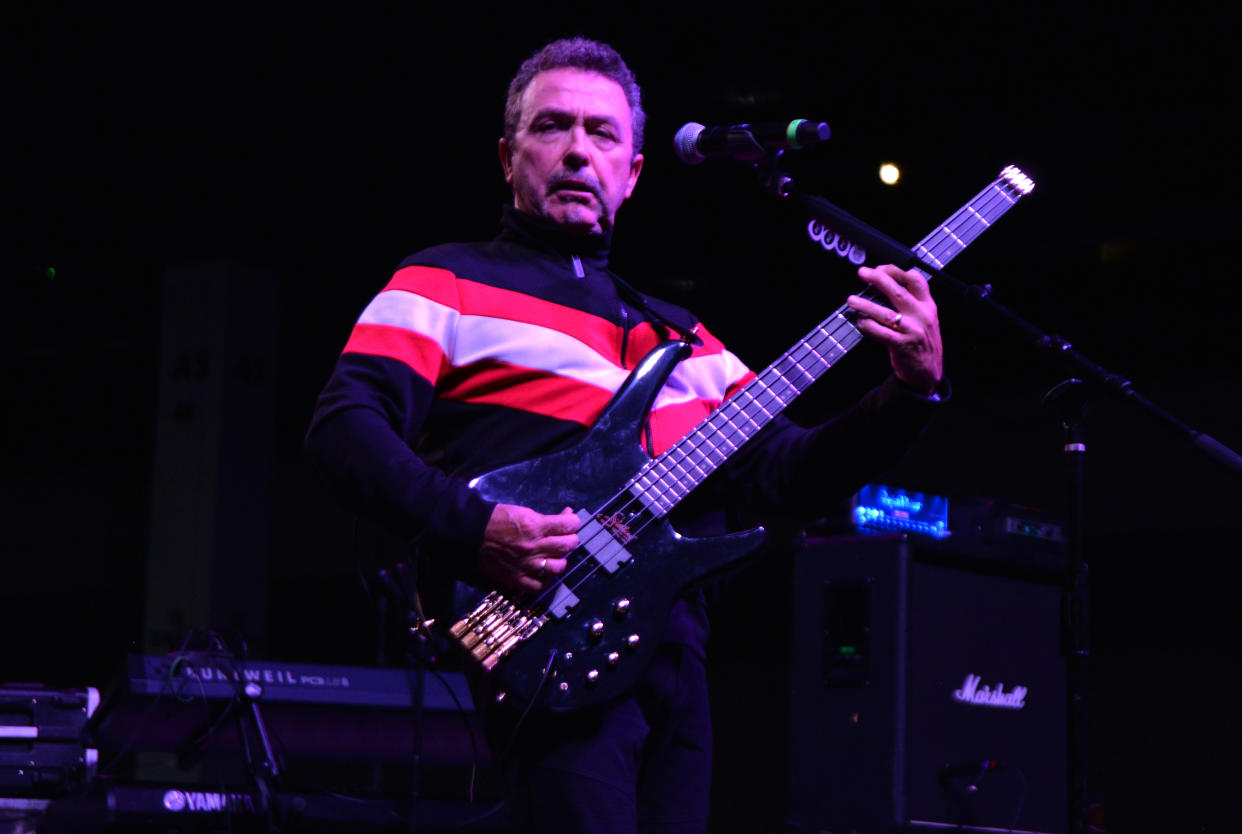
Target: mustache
578 181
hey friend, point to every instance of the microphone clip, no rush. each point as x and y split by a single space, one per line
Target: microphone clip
754 143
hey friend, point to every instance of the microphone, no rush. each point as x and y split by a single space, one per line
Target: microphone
748 143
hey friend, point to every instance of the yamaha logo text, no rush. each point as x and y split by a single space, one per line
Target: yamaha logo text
209 802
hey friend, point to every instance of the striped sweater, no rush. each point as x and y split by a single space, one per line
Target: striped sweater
479 355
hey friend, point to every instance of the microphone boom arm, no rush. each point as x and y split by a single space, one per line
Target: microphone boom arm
1060 352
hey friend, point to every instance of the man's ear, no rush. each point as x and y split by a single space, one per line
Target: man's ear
506 159
636 168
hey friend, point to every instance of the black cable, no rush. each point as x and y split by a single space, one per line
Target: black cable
547 674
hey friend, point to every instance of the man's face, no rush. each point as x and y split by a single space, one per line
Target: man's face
572 158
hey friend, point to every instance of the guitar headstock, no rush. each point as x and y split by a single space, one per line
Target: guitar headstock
1017 180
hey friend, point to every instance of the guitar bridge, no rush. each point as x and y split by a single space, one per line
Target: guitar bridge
494 627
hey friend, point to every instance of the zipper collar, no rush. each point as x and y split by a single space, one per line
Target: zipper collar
584 251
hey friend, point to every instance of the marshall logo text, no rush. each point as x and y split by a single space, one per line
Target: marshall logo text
971 693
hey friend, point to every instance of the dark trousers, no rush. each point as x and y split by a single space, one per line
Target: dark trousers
641 765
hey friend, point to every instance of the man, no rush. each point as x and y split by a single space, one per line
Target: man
479 355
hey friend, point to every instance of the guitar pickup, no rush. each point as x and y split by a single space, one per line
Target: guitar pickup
563 601
604 539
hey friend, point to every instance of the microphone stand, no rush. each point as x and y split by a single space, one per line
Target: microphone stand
263 763
1071 398
404 590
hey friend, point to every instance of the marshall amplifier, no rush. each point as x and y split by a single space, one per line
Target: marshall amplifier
927 688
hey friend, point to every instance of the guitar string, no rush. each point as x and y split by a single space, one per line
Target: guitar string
973 218
958 225
989 197
955 226
948 248
707 434
708 438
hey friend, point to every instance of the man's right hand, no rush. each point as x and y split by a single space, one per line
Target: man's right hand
523 549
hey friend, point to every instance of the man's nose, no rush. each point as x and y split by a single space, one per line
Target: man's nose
576 154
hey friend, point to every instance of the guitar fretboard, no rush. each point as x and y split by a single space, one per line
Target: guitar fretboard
670 476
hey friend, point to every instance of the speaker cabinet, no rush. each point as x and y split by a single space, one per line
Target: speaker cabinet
927 690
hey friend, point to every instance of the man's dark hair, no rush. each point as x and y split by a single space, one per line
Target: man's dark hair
583 54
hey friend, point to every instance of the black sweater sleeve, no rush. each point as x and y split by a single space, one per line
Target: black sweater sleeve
361 437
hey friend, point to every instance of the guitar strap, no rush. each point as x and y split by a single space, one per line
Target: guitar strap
636 298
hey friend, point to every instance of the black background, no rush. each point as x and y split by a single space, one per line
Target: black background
323 145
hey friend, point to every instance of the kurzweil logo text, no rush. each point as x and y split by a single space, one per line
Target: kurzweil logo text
270 675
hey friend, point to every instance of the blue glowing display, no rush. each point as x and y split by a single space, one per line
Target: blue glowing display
878 507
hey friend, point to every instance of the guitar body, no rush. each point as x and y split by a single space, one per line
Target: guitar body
661 566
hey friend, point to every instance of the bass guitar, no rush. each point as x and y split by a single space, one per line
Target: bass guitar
590 634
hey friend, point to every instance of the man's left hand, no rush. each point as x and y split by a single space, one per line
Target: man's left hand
910 330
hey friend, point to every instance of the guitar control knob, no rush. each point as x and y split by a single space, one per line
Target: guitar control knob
614 658
592 676
596 628
632 641
621 607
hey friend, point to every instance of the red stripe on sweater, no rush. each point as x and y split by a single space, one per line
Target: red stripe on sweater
671 423
440 285
599 334
474 298
527 389
423 355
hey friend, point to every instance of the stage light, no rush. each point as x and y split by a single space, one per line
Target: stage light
889 173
